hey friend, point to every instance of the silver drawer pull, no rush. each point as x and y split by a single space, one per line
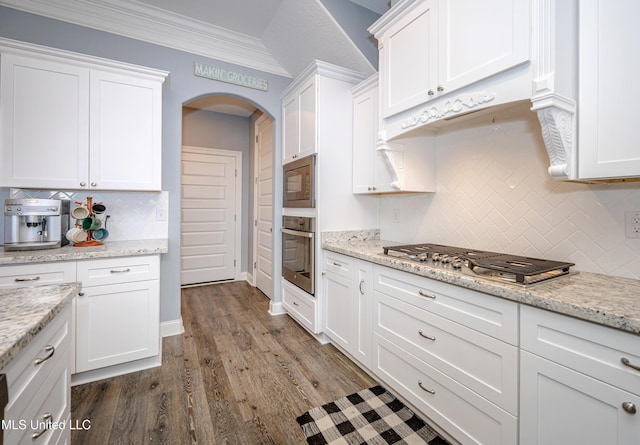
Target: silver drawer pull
422 294
27 279
295 304
47 418
625 361
430 391
50 350
629 407
428 337
337 264
360 287
121 270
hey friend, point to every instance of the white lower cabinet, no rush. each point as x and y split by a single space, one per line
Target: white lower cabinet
579 382
348 295
117 311
301 306
449 351
39 387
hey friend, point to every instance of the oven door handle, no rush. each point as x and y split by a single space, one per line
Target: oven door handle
297 233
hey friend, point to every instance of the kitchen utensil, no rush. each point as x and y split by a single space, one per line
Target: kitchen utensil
76 235
91 223
80 212
101 234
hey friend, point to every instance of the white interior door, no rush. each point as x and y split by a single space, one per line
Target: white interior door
263 234
210 192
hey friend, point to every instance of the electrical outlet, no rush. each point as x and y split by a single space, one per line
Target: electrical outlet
632 224
161 214
396 215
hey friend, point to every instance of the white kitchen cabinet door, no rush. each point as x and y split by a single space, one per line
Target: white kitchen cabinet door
363 305
126 132
608 77
44 108
339 316
559 405
117 323
408 59
479 39
300 122
290 130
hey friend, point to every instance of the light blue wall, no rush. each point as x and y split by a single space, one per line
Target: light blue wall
181 87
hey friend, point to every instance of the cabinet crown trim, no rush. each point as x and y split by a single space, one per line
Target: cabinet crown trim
30 50
324 69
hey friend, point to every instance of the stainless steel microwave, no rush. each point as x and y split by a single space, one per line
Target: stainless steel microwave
299 183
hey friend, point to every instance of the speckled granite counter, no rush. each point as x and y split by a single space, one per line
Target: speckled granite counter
70 253
26 311
603 299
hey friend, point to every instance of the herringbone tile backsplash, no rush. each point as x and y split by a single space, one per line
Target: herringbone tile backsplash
494 193
132 214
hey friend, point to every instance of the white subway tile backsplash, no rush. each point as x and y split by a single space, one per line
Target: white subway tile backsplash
494 193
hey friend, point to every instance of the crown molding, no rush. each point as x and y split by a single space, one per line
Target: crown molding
154 25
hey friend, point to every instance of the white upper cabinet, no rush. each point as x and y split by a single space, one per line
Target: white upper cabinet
609 62
70 121
299 121
125 132
45 123
429 48
386 167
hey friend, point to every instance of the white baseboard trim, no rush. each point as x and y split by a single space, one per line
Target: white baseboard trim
116 370
276 308
171 327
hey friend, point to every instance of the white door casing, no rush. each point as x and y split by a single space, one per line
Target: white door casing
263 207
210 203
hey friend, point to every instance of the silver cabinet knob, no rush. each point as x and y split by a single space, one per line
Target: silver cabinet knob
629 407
440 88
83 184
430 93
94 184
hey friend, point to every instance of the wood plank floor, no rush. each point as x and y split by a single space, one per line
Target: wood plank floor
236 376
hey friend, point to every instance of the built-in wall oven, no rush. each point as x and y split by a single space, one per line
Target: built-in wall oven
299 183
298 251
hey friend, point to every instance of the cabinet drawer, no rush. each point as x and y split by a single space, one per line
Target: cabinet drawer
118 270
591 349
339 264
300 306
480 362
484 313
24 375
37 274
469 418
29 415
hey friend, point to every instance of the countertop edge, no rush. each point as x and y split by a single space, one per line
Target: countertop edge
566 295
110 249
67 291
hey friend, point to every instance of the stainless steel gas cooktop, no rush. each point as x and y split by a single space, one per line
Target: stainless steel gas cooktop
492 265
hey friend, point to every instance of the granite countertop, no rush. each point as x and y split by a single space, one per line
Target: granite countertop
603 299
69 253
25 311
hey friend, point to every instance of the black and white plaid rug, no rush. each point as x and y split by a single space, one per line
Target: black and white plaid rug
371 416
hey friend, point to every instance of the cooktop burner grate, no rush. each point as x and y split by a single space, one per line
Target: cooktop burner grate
493 265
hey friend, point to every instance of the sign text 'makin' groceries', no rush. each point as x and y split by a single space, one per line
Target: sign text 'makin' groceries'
224 75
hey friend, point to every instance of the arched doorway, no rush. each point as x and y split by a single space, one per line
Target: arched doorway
226 192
